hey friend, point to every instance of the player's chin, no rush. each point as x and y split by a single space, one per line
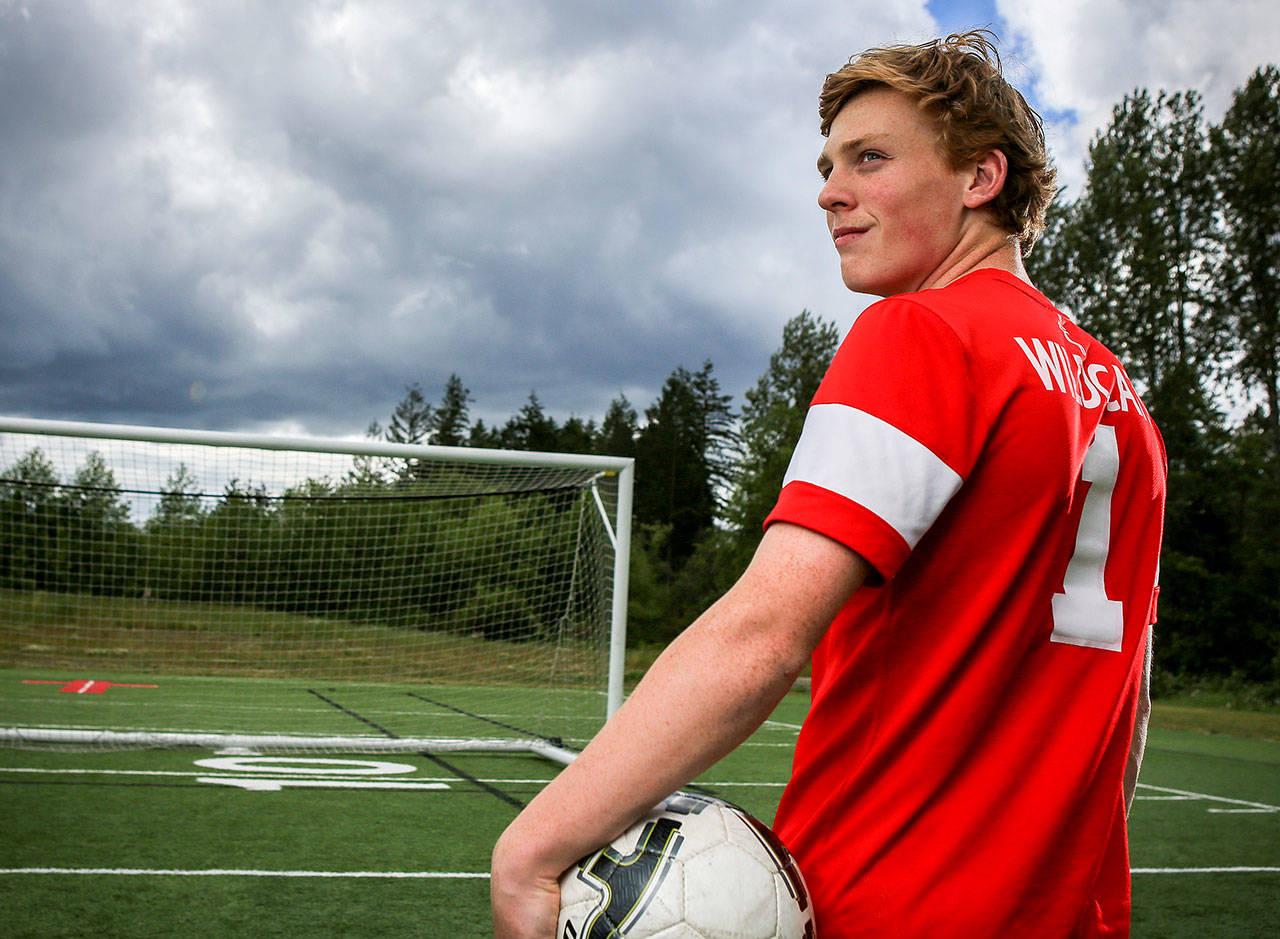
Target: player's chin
862 278
858 282
857 275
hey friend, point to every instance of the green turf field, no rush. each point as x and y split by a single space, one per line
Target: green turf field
365 711
167 843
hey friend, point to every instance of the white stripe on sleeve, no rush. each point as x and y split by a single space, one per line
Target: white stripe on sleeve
869 461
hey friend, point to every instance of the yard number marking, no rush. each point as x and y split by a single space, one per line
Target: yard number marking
317 773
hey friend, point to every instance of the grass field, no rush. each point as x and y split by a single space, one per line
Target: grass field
40 629
167 843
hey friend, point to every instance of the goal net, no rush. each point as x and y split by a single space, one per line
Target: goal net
164 587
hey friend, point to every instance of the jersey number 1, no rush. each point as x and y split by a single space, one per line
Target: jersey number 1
1082 613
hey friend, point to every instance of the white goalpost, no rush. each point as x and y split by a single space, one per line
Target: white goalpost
167 587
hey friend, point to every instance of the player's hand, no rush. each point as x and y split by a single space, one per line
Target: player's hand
526 904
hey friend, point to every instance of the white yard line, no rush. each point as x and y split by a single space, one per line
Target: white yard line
202 775
1166 794
286 775
1205 870
782 724
282 777
1249 807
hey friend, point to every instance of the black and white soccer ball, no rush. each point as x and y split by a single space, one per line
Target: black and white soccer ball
695 867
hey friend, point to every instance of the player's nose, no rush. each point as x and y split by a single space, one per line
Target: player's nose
834 194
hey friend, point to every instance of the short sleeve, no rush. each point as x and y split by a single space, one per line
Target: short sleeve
889 437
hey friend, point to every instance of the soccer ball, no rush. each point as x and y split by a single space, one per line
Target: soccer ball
695 868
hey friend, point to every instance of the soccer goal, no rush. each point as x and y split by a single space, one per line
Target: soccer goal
164 587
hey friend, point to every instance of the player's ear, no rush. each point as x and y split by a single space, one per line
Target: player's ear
987 179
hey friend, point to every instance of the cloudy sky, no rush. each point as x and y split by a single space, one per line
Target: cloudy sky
275 215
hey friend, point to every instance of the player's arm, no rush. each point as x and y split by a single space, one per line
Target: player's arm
1140 719
713 686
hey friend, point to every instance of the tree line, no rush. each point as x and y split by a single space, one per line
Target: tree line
706 473
1169 254
429 546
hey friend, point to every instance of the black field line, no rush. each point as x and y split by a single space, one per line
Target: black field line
480 783
360 717
460 774
554 741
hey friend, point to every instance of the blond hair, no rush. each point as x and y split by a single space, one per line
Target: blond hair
959 81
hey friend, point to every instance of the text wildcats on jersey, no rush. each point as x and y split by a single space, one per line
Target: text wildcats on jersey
1087 384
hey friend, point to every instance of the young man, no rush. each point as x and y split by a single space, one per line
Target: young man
966 543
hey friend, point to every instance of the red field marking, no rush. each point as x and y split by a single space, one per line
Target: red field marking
84 685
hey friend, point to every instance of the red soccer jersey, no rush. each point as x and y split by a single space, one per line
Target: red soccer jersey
961 769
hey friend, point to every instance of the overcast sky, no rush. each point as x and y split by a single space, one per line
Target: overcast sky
275 215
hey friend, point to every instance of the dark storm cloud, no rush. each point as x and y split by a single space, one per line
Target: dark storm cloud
232 215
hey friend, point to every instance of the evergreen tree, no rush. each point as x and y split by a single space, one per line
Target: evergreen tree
370 470
31 484
619 429
1142 237
29 518
773 417
450 422
1248 616
236 543
411 422
650 618
179 499
719 429
1246 148
683 458
531 429
173 543
483 437
577 436
1053 264
96 550
94 495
